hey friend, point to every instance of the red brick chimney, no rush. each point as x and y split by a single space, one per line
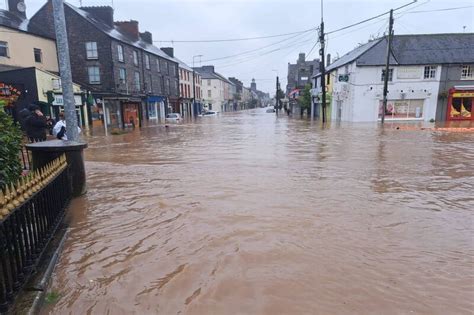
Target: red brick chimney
129 28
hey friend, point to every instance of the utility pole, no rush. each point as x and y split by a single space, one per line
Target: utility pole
387 65
277 96
322 67
65 69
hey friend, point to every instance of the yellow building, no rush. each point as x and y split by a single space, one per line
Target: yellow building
20 49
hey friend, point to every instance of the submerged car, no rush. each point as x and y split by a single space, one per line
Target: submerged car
209 113
270 110
173 118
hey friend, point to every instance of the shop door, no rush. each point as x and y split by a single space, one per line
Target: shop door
130 114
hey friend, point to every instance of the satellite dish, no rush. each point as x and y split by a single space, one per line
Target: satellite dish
21 6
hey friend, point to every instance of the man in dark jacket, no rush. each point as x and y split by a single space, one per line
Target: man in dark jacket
35 124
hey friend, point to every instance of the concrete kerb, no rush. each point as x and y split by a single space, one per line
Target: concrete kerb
43 283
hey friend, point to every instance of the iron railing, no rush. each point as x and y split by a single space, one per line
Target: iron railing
30 213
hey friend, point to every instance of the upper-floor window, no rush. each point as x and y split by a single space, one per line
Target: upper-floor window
136 81
390 75
209 93
120 53
147 62
94 75
91 50
4 49
173 70
123 75
467 73
164 66
167 86
38 55
208 81
430 72
135 58
158 65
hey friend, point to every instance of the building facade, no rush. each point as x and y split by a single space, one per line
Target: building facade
131 80
215 89
300 73
430 77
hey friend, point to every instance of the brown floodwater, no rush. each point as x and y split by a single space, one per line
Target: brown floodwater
248 214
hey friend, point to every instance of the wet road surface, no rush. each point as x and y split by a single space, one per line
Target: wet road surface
248 214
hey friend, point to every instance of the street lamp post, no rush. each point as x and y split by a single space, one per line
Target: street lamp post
194 83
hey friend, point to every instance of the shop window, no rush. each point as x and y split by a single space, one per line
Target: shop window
461 108
390 75
120 53
38 55
4 49
402 109
91 50
430 72
467 73
94 75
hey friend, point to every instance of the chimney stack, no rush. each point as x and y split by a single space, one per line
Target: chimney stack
102 13
17 7
302 57
129 28
147 37
169 51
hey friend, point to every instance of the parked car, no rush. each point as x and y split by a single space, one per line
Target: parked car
173 118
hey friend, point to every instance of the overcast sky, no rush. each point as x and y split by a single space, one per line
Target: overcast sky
224 19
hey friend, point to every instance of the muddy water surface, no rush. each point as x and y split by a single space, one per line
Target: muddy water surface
248 214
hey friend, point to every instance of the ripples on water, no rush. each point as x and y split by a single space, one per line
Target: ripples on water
248 214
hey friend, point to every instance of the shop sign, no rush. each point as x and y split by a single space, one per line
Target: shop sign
465 94
59 100
408 73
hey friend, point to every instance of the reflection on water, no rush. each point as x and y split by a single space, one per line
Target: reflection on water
249 214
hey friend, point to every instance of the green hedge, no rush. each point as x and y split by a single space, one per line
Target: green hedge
10 146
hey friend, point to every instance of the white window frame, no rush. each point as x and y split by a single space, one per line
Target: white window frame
5 46
390 75
91 51
429 72
94 78
120 55
135 58
124 72
147 62
467 72
136 81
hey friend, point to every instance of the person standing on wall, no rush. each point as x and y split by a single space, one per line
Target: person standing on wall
59 130
35 124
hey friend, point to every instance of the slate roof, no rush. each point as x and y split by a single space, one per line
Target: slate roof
422 49
116 34
13 21
212 75
417 49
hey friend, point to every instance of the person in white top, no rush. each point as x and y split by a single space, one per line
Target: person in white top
59 130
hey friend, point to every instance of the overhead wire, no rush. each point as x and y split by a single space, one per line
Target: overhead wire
236 39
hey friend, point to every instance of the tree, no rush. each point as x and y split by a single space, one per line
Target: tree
10 146
305 97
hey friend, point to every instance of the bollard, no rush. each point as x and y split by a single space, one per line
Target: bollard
46 151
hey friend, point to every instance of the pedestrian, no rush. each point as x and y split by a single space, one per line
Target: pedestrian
59 130
35 124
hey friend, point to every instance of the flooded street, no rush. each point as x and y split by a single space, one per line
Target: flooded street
248 214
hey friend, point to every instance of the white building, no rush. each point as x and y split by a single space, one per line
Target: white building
416 64
215 88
